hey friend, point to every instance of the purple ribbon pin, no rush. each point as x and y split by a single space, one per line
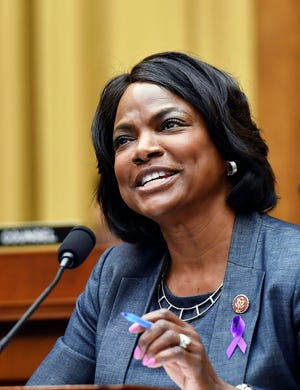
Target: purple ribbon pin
237 329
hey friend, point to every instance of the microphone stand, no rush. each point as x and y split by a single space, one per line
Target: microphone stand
32 308
82 240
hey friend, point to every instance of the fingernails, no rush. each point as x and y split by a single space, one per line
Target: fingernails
151 362
134 327
148 362
137 353
145 360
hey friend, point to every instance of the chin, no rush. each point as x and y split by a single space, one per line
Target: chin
156 209
157 213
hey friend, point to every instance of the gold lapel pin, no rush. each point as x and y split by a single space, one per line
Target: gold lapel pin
240 303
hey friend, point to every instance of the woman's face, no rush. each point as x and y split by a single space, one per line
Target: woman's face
165 163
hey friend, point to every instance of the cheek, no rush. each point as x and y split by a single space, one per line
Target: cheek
121 179
122 173
120 170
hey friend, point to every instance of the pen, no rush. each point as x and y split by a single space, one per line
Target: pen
134 318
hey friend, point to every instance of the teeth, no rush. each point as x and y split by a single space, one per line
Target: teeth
152 176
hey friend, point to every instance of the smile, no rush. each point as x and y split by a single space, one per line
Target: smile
154 176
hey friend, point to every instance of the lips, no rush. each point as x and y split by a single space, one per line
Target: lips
151 175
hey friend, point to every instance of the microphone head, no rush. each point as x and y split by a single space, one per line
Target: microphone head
77 245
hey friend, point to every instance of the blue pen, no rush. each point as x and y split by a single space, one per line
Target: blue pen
134 318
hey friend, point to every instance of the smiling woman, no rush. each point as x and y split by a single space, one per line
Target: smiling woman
197 92
186 183
166 162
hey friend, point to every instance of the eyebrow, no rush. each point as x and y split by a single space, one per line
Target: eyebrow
166 111
157 116
122 126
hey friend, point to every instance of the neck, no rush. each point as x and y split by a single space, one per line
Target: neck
199 251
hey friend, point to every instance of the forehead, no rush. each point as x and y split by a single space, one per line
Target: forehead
150 98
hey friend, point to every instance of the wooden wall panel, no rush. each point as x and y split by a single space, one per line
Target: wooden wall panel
24 274
278 61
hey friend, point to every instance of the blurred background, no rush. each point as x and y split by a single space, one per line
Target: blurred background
56 55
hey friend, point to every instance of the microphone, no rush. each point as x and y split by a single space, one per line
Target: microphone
74 249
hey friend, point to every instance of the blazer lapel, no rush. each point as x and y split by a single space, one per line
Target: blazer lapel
243 276
239 281
134 295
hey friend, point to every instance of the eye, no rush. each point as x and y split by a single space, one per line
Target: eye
172 123
121 140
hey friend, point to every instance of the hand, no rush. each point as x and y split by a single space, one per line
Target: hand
158 346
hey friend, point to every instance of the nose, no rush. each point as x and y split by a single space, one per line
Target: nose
146 147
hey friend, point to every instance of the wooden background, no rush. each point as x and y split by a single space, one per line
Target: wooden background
278 46
24 274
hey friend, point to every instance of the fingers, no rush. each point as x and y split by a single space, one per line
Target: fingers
176 346
163 314
168 338
154 317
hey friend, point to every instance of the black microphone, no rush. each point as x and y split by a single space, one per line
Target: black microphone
76 247
73 251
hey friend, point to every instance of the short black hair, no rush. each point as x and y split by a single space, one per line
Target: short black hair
225 109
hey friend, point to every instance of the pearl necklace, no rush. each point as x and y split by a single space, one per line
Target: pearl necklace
188 313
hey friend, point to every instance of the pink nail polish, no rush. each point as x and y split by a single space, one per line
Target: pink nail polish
137 353
151 362
145 360
134 327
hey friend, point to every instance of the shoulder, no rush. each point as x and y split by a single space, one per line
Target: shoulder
280 243
270 242
278 224
267 228
281 232
117 263
130 259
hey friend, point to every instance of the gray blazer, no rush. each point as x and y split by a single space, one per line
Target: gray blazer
263 264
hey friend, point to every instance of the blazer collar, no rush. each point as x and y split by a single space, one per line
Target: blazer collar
134 295
241 277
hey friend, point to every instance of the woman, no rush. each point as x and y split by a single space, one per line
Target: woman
185 183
